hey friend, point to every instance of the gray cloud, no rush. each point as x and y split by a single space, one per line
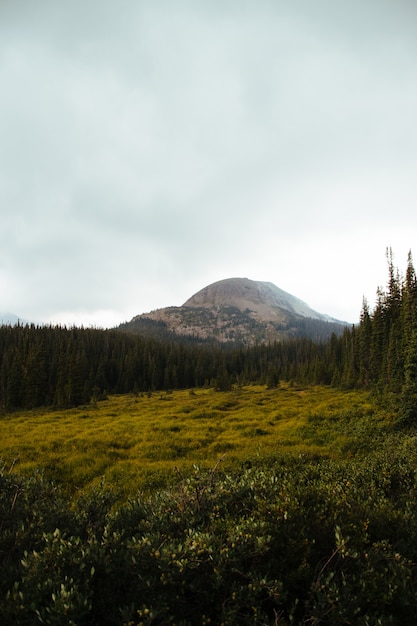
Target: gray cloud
149 148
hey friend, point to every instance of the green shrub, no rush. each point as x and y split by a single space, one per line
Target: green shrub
294 541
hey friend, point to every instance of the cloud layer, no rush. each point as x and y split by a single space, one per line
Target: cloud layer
151 148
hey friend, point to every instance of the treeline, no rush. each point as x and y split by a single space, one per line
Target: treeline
381 352
58 366
65 367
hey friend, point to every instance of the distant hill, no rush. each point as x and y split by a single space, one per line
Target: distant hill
237 310
9 319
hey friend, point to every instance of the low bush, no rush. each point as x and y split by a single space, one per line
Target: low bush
296 541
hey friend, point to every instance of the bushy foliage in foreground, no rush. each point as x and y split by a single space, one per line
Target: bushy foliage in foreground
302 541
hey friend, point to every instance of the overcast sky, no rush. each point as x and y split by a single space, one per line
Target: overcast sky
151 147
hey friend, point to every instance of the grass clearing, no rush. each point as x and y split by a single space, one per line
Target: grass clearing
146 441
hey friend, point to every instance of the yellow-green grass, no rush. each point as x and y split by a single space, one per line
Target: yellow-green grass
144 442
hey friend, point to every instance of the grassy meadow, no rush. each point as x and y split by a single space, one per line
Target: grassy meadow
147 441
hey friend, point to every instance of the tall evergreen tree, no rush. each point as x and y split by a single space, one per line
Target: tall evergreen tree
408 408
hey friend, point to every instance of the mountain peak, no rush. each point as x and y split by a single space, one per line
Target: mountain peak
238 310
263 298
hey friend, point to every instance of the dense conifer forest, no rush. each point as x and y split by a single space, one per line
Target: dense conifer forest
63 367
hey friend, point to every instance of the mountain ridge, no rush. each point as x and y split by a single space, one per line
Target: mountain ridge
238 310
262 294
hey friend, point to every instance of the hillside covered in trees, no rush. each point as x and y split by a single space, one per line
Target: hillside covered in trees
63 367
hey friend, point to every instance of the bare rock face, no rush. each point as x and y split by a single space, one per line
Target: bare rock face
264 299
238 310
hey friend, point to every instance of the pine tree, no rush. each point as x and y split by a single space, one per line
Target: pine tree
409 301
364 345
408 410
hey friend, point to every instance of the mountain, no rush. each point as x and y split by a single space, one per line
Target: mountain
237 310
265 300
9 319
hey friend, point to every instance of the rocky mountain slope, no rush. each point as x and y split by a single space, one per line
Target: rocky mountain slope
238 310
264 300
